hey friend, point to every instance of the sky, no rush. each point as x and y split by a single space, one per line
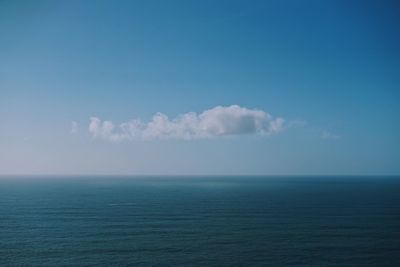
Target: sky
200 87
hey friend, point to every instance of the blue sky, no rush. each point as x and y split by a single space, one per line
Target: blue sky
329 69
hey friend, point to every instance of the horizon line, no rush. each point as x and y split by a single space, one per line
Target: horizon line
201 175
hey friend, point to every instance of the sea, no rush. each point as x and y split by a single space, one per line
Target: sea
199 221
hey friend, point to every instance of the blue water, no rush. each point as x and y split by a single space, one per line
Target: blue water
199 221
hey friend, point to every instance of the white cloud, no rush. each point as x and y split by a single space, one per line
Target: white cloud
215 122
74 127
328 135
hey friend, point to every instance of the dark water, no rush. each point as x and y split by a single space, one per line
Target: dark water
200 221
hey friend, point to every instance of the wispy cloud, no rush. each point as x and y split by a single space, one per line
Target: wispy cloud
329 136
216 122
74 127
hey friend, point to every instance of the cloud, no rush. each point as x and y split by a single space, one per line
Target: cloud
296 123
74 127
328 135
216 122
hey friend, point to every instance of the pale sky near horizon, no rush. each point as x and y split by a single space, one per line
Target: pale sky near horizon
200 87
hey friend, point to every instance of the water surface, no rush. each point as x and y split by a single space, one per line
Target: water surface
199 221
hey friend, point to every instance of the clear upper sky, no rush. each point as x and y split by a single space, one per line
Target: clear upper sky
329 69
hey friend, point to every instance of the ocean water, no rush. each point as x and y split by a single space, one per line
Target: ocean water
199 221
